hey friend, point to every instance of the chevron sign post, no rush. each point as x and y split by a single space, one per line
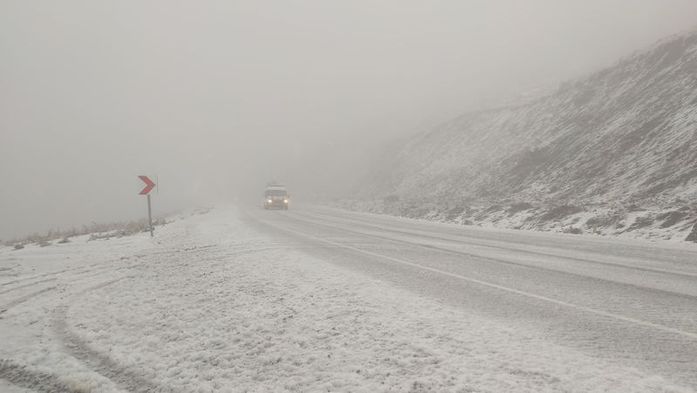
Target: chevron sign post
149 185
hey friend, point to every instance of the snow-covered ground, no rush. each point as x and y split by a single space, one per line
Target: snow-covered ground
213 304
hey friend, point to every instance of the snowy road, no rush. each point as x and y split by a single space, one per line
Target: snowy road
316 299
628 301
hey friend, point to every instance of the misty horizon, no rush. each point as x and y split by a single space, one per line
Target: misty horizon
218 99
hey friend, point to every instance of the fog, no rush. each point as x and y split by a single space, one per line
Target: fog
216 98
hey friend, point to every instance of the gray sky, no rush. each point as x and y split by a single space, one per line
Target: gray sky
217 97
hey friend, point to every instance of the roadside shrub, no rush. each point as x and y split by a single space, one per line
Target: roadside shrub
572 230
455 212
671 218
605 220
95 230
641 222
126 229
559 212
519 207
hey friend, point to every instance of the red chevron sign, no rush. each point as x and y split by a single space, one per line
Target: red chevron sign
149 185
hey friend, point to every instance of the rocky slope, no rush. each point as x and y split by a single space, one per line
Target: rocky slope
613 153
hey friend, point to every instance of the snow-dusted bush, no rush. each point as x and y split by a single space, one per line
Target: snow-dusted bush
559 212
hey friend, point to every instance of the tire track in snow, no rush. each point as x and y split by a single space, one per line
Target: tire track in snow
124 377
75 275
24 377
23 299
31 284
37 276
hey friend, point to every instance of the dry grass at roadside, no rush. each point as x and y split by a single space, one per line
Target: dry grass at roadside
97 231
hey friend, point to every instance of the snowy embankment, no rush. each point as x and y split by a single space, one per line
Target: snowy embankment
214 305
652 224
610 154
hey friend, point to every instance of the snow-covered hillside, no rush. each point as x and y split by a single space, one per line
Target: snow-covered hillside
614 153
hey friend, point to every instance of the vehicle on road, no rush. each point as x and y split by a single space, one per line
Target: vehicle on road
276 197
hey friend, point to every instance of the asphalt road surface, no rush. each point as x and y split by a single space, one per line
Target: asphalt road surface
632 302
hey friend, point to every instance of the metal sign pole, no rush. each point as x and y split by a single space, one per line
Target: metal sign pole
149 185
150 216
